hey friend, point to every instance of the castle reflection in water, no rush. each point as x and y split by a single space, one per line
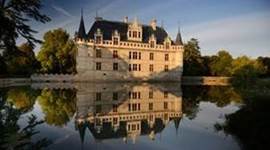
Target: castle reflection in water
126 111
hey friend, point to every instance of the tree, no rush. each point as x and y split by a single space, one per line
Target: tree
193 62
23 62
244 68
3 67
14 15
57 54
221 65
266 62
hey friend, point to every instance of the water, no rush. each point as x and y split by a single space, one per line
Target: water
118 116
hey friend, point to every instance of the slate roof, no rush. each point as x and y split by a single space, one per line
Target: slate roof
178 40
81 32
107 28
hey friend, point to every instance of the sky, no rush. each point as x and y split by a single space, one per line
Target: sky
241 27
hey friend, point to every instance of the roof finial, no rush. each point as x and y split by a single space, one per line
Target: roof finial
162 24
178 40
81 12
97 17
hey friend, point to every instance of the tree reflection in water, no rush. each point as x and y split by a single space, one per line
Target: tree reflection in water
12 135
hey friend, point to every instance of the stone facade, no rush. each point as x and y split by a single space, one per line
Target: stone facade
127 110
127 51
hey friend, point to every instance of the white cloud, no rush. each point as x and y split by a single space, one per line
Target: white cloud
61 10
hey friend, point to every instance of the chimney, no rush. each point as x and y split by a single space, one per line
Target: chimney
153 24
126 19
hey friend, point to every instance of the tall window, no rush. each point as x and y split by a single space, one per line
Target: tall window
134 67
151 67
134 55
129 33
115 54
139 34
115 41
114 108
98 53
98 96
165 105
165 94
129 56
98 65
139 55
152 44
167 45
151 94
98 39
139 67
115 66
115 96
166 68
135 34
166 57
150 106
129 67
151 56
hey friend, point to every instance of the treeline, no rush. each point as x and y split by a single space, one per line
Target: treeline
56 55
222 64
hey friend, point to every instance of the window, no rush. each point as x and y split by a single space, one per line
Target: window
115 96
166 68
151 106
115 120
114 108
134 34
139 34
130 55
167 45
152 44
134 67
165 105
139 55
139 67
98 66
115 66
165 94
98 109
151 94
98 96
129 67
134 55
129 33
115 41
151 56
115 54
151 67
98 39
98 53
166 57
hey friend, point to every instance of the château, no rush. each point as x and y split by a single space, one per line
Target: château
127 51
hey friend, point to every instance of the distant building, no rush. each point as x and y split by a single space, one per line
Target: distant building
127 50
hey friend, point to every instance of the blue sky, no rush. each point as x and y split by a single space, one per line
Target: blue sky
240 26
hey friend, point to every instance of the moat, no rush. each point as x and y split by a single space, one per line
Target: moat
119 116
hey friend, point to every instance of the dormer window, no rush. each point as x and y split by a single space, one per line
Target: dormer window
115 41
98 39
152 44
134 34
167 45
115 37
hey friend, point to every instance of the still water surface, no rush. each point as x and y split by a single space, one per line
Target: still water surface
117 116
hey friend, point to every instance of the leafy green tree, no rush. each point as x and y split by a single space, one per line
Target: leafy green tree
221 64
193 62
23 62
244 67
57 54
14 16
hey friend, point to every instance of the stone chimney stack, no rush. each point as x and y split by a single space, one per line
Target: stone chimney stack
153 24
126 19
